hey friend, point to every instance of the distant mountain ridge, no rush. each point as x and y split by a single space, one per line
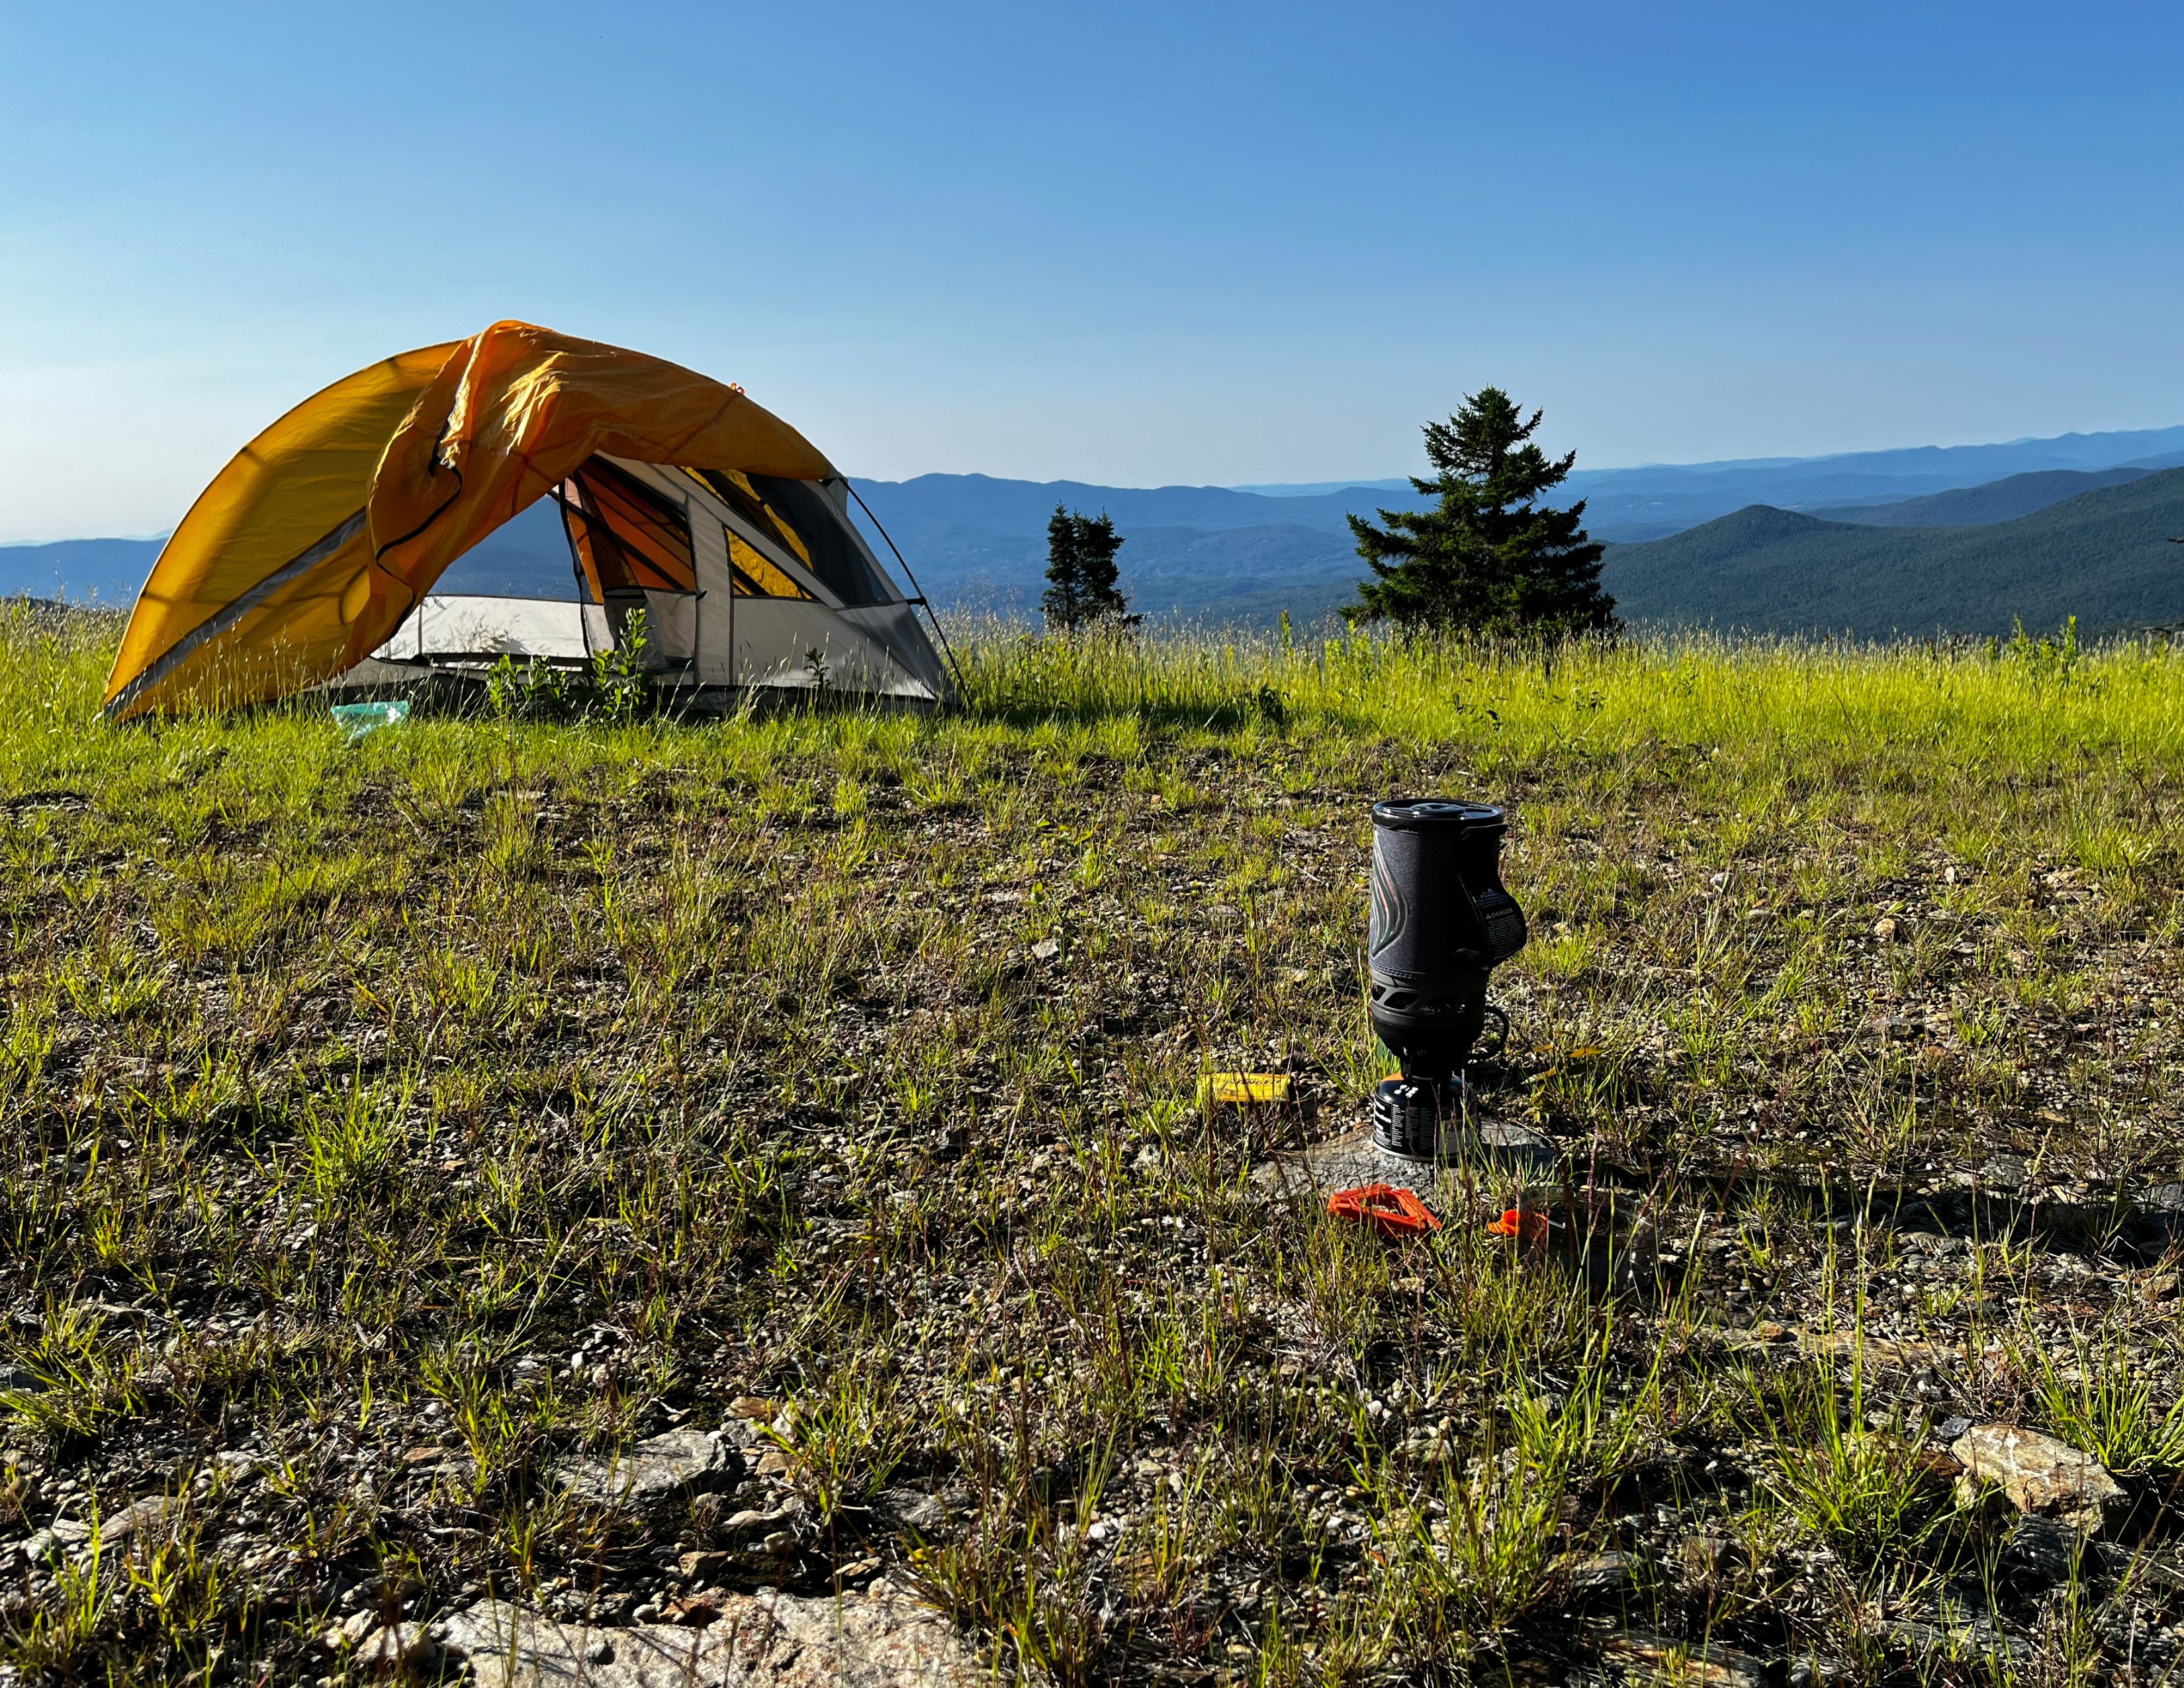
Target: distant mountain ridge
1209 553
108 571
2104 556
1652 502
977 540
2003 500
1243 555
1294 489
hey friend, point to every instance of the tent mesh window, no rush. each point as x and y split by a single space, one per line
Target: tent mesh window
756 575
627 537
796 515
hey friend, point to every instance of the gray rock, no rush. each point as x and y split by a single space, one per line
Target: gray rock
121 1525
2041 1553
1509 1134
2143 1567
2040 1474
918 1513
1492 1145
2166 1199
679 1462
1603 1573
1979 1636
62 1536
1954 1620
1650 1658
2004 1172
2151 1649
1702 1557
907 1509
879 1639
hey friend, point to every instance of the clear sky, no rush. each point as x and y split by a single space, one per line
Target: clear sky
1127 244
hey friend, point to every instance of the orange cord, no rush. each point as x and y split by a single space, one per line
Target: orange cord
1390 1209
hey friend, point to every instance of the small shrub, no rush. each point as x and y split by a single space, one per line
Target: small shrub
614 687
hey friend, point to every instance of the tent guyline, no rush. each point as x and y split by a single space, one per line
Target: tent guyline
539 464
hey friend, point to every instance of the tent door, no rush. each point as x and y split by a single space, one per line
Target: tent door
671 625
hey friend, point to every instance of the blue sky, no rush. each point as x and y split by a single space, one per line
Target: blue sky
1125 244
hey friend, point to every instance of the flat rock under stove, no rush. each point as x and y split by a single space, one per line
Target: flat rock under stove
1493 1156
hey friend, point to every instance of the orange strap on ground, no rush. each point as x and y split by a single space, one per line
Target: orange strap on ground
1529 1228
1390 1209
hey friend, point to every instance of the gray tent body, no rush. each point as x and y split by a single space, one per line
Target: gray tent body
848 627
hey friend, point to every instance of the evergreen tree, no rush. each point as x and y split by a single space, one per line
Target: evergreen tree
1064 577
1489 558
1081 573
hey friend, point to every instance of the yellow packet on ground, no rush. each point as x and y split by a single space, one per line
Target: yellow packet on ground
1245 1089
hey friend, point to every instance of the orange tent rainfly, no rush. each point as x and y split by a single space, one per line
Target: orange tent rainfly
619 481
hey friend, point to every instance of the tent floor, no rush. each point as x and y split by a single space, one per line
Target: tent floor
463 690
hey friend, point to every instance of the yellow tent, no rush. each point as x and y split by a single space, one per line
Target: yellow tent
326 533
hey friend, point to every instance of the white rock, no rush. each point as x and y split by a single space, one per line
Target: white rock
2041 1474
878 1640
676 1462
351 1630
121 1525
393 1645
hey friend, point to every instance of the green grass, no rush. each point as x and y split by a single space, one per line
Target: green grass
385 1121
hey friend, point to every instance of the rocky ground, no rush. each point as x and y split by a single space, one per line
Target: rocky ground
562 1204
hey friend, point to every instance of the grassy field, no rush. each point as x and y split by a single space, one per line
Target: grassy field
386 1121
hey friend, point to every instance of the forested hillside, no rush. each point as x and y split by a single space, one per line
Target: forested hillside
2104 556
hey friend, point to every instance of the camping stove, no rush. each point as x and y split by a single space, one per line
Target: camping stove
1441 922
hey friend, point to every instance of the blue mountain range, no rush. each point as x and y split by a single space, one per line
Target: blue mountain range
1243 555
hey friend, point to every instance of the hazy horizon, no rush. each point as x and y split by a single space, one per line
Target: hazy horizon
1277 489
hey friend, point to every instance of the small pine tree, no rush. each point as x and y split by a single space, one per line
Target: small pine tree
1065 575
1082 590
1489 558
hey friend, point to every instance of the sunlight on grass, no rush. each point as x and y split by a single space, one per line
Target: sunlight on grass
387 1122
